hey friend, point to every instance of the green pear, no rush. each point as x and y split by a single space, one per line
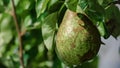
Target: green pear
77 40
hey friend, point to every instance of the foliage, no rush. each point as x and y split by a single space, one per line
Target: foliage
39 21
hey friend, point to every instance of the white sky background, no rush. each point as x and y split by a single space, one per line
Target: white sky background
109 53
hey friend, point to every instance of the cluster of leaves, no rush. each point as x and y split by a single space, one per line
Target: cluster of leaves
39 21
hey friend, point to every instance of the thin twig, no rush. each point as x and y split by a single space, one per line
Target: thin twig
19 35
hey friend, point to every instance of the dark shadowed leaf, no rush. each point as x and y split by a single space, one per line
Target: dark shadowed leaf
113 20
52 8
56 62
104 3
96 14
6 2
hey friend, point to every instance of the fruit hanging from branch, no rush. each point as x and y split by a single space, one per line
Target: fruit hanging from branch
77 40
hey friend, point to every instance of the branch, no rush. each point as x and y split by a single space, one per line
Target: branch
19 35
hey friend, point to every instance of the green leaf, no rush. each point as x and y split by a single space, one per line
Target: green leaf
103 30
96 14
6 2
105 3
83 4
26 23
23 6
52 7
2 65
71 4
41 6
6 32
2 9
57 63
1 2
32 41
6 24
5 37
113 20
61 14
48 30
100 2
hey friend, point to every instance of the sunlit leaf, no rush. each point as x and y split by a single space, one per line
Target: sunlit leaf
26 23
24 7
103 30
5 37
48 29
41 6
100 1
6 28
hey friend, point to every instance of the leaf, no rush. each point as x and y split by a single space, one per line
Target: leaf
57 63
61 14
5 37
26 23
83 4
104 3
6 28
48 30
41 6
52 7
6 32
6 2
71 4
100 2
32 40
96 14
93 10
103 30
2 9
113 20
24 7
2 65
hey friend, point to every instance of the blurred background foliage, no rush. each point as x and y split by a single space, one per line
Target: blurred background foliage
39 21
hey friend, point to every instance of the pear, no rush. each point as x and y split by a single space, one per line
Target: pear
77 39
